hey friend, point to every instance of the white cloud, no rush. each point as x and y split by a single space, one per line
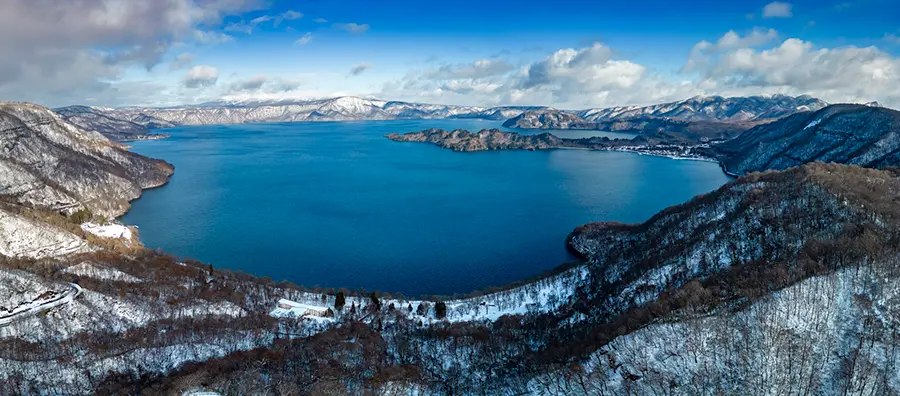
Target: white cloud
305 39
201 76
262 84
754 63
704 50
64 52
352 27
778 9
258 20
570 71
291 15
249 84
320 20
203 37
570 78
181 61
892 38
359 68
239 27
755 38
479 69
248 27
796 66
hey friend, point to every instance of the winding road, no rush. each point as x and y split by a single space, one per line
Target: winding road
35 307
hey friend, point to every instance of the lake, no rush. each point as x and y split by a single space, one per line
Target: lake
335 204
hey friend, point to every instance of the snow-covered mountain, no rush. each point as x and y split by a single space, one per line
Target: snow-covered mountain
707 108
332 109
713 108
548 119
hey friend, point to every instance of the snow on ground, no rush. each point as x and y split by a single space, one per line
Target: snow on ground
93 310
805 339
19 287
200 392
116 231
22 237
813 124
544 295
96 271
60 376
223 308
288 309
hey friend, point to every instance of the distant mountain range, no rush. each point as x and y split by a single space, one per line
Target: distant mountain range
344 108
698 108
111 122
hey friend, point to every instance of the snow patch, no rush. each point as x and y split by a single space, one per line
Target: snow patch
813 124
91 270
115 231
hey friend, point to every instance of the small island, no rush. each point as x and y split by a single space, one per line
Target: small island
495 139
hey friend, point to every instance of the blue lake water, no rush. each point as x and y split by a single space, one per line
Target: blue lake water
335 204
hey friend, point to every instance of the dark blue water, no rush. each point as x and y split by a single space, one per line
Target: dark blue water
337 205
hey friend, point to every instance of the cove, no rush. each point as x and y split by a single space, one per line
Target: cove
335 204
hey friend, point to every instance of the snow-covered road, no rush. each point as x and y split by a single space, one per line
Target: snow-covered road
40 305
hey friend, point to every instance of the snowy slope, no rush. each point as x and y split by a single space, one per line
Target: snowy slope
851 134
49 163
97 120
827 335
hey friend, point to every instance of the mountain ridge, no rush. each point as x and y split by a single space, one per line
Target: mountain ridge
712 108
844 133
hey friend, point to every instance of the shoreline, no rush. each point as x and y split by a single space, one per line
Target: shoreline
487 290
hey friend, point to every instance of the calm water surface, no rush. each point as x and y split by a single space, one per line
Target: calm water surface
335 204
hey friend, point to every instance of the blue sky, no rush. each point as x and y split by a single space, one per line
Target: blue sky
569 54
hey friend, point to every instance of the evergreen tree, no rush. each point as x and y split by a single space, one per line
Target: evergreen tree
339 301
376 303
440 310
